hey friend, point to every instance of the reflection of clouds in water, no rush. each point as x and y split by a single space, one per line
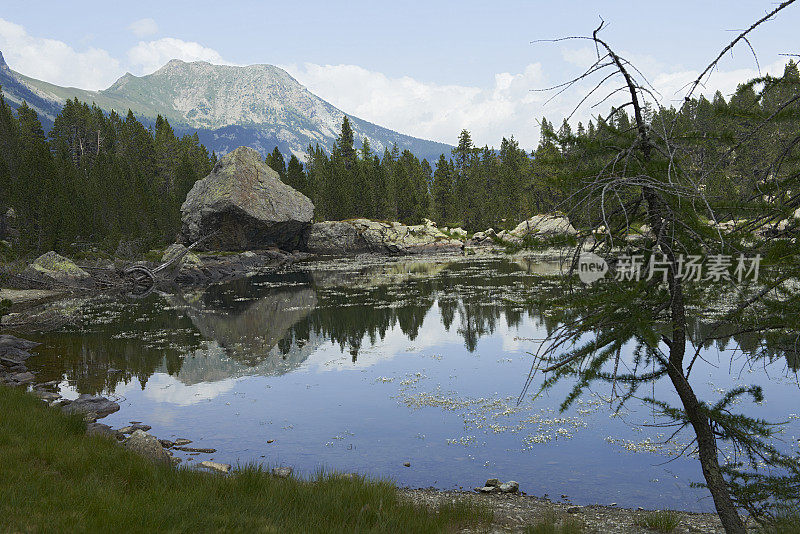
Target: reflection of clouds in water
162 387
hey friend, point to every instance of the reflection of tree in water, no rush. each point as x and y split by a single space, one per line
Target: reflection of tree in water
769 347
142 338
270 324
366 308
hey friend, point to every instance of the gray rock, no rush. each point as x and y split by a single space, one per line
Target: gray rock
358 236
167 444
511 486
488 489
282 472
214 466
182 441
492 482
91 403
244 201
573 509
148 446
544 225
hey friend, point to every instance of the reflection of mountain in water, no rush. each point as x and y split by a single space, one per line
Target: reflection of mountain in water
212 364
249 333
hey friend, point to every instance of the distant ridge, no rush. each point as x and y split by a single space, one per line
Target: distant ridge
261 106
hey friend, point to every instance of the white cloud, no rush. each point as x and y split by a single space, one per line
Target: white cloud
143 27
509 106
149 56
162 387
56 61
429 110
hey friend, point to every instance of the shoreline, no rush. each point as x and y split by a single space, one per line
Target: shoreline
514 511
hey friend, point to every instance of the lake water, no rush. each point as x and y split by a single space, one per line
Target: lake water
362 365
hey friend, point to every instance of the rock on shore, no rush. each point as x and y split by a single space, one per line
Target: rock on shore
359 236
244 201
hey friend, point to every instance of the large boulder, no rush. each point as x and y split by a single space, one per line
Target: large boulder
358 236
244 201
544 225
53 268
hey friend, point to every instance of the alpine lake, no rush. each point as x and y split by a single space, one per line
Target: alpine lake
368 364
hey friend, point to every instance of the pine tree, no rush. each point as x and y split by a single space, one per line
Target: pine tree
276 162
444 210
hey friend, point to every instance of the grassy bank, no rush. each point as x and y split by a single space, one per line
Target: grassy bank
54 478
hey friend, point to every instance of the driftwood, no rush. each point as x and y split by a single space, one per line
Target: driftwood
141 280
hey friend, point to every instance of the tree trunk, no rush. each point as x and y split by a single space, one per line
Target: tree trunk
706 441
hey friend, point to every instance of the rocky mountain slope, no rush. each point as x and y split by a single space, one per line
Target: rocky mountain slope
260 106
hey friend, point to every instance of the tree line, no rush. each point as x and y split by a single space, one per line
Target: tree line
95 179
98 178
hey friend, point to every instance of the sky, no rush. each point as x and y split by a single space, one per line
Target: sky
428 69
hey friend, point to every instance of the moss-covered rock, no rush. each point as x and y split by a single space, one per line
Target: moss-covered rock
54 268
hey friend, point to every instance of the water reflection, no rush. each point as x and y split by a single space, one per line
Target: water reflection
269 325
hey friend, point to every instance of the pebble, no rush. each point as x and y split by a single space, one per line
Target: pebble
573 509
407 464
270 440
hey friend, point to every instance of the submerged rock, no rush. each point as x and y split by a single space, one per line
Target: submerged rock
148 446
244 201
51 267
357 236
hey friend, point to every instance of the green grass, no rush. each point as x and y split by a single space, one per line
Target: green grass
54 478
552 523
660 520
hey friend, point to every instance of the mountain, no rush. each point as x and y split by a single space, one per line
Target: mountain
260 106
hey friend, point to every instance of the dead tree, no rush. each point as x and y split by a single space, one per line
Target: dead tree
644 180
